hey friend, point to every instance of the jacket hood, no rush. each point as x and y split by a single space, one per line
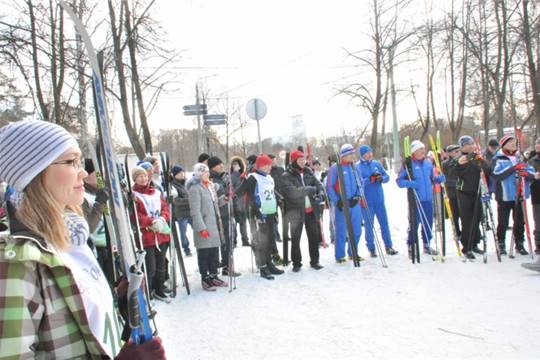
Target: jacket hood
241 161
192 181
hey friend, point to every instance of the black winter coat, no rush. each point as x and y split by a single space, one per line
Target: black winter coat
469 175
449 170
222 180
294 191
534 161
181 202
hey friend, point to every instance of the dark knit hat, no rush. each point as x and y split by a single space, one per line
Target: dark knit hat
452 147
251 159
493 143
203 157
214 161
176 169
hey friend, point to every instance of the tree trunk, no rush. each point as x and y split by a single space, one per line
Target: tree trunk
35 63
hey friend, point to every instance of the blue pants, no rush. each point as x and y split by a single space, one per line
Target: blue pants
341 230
427 206
182 226
376 210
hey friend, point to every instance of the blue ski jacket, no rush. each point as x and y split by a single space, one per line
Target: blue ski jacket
507 179
423 179
373 190
333 184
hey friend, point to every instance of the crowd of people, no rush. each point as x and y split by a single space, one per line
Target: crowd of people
58 250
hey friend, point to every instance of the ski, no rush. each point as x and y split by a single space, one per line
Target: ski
346 210
232 230
176 248
137 310
447 206
411 200
521 194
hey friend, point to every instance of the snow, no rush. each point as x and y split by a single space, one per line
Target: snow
431 310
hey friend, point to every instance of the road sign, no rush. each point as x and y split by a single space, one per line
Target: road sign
215 117
256 109
194 110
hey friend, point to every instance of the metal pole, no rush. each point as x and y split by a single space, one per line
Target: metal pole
199 131
395 129
255 105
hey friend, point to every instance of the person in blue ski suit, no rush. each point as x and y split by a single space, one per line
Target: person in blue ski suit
372 175
508 170
346 155
422 183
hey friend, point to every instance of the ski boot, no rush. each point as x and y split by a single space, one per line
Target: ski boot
391 251
470 255
297 268
265 273
217 282
372 253
477 250
316 266
430 251
342 260
521 250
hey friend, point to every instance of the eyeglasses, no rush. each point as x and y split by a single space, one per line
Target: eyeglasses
76 163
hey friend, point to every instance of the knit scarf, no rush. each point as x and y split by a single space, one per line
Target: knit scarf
78 229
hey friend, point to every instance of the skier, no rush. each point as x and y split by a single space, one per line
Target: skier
56 302
422 183
221 179
153 216
534 161
448 169
299 188
259 187
508 169
206 233
95 200
468 166
276 173
181 206
346 157
238 166
373 176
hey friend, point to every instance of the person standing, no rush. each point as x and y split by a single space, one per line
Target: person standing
55 300
153 215
238 168
422 181
534 161
221 181
448 169
508 170
373 175
259 188
181 206
299 187
468 167
352 192
206 233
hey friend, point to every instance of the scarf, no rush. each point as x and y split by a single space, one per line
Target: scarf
78 230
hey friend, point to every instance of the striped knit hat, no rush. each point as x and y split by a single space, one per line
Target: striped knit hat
346 149
28 147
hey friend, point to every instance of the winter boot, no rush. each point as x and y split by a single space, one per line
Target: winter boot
207 284
273 269
372 253
296 268
188 253
430 251
161 296
521 250
391 251
225 272
217 282
265 273
342 260
359 258
316 266
470 255
502 249
477 250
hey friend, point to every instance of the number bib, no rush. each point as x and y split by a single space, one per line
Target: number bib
265 192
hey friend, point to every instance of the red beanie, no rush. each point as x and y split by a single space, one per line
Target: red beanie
505 139
296 154
263 160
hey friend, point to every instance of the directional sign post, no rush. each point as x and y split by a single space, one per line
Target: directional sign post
256 109
214 119
194 110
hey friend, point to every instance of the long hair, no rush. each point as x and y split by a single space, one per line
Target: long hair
43 215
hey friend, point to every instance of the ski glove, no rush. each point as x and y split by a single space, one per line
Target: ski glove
523 173
150 350
520 166
102 196
376 177
354 201
204 234
439 179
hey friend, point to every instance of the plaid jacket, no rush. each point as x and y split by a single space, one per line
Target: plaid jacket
41 310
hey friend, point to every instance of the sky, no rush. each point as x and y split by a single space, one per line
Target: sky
290 54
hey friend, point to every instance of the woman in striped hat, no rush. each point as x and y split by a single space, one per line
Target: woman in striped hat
55 301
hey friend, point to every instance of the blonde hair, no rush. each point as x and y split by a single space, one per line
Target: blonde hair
43 215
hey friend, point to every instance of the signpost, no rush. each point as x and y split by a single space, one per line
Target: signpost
256 109
214 119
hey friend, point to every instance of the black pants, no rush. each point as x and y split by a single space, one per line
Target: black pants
470 210
503 216
208 261
263 240
536 216
241 220
297 219
156 266
225 245
455 214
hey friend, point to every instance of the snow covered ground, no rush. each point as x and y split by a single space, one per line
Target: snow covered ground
432 310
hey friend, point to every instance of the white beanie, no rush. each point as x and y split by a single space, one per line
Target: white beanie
28 147
199 169
416 145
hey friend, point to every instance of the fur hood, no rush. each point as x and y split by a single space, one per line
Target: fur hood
241 161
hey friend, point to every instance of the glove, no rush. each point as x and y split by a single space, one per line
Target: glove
439 179
159 225
151 350
310 190
523 173
339 205
204 234
102 196
520 166
375 177
354 201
